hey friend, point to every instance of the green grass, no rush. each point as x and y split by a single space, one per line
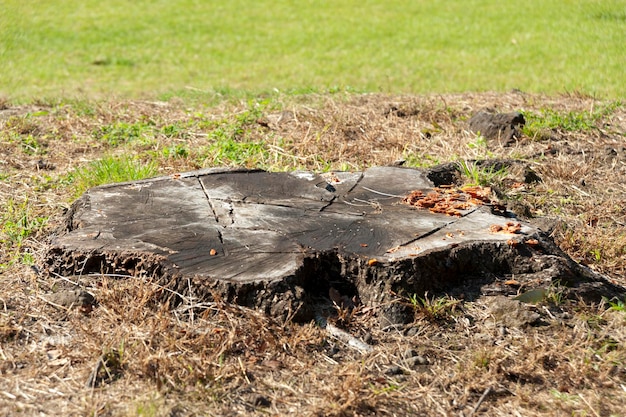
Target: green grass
618 305
19 222
210 49
23 131
438 309
483 176
120 133
226 150
538 125
109 170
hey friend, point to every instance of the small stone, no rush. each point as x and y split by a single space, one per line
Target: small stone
531 177
396 314
71 298
393 370
416 361
502 331
43 164
178 411
511 313
411 331
261 401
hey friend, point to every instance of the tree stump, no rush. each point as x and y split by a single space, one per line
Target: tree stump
279 242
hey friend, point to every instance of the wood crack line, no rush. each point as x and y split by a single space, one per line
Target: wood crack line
208 199
217 220
435 230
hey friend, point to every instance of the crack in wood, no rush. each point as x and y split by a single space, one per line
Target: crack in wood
437 229
208 199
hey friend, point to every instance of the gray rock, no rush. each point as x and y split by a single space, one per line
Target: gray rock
71 298
393 370
416 361
530 176
396 315
505 127
511 313
261 401
412 331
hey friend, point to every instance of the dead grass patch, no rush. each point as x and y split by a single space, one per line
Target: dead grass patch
144 357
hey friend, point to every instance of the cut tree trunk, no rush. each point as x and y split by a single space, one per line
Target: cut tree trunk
279 242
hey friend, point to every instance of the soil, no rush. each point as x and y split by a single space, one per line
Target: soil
109 344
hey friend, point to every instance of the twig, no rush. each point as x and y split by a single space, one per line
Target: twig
381 193
59 306
595 413
66 279
585 194
282 152
161 287
9 395
191 88
243 370
547 310
374 204
92 381
392 327
343 336
348 339
329 359
480 401
111 275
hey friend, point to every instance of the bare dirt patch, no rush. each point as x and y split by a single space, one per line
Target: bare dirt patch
124 352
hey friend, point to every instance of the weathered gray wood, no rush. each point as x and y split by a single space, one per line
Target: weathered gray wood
275 241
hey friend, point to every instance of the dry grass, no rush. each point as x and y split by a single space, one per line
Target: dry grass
142 357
